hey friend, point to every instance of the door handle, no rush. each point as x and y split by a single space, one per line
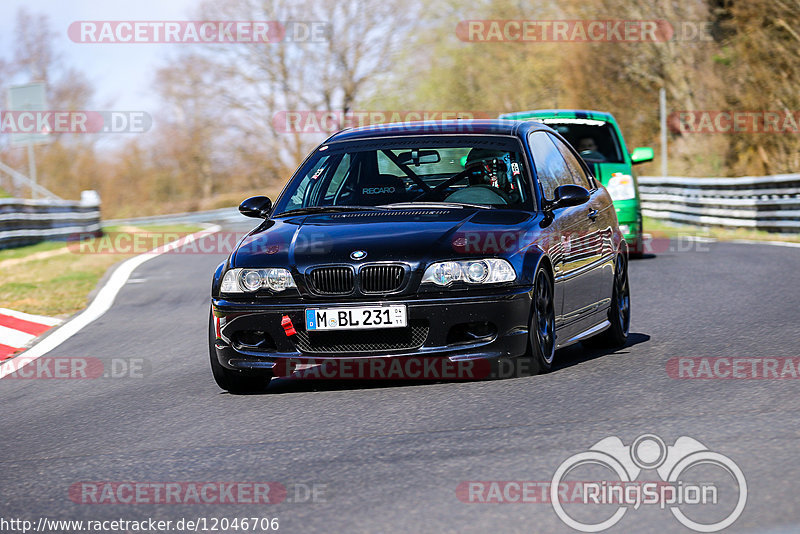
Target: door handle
592 214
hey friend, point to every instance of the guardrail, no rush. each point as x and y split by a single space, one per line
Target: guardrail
24 222
218 215
766 203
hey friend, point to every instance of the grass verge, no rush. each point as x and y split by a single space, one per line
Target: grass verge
659 228
51 279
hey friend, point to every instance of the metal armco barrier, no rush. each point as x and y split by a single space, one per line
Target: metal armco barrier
218 215
766 202
24 222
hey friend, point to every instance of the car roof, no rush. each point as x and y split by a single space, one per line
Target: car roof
448 127
559 113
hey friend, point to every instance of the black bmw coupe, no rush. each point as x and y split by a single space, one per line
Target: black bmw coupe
455 240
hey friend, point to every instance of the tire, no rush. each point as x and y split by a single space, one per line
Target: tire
619 313
231 380
541 332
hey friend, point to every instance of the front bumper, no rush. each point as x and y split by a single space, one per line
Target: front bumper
629 216
251 336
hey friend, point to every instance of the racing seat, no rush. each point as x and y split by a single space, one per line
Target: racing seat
381 189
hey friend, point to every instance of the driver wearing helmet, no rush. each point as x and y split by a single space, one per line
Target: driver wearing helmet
491 169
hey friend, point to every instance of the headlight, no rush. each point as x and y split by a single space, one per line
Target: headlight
443 273
477 272
620 187
279 279
483 271
250 280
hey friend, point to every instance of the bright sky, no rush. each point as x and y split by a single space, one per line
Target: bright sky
121 74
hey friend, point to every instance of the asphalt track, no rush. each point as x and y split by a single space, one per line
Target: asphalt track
388 456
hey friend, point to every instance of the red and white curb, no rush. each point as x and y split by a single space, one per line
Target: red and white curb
101 304
18 330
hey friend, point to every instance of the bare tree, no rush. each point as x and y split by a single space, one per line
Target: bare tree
441 71
331 71
34 58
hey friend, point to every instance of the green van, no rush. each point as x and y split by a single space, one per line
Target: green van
597 137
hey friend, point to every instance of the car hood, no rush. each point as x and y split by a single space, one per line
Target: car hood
412 236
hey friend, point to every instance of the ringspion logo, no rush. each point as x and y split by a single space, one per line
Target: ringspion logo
612 496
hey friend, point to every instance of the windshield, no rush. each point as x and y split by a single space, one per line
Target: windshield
595 140
486 171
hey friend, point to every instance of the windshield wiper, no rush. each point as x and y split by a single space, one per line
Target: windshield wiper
310 210
440 205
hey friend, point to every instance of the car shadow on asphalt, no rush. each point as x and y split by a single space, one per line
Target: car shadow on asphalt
580 353
507 369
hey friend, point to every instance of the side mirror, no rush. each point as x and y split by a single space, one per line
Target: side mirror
256 207
642 154
569 195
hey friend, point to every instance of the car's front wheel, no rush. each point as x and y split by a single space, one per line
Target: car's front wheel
232 380
619 313
542 330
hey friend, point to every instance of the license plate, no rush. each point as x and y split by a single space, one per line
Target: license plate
356 318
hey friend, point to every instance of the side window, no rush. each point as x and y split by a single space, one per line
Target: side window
342 171
578 175
324 184
304 187
550 165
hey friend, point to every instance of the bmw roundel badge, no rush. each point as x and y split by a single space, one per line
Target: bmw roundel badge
358 255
